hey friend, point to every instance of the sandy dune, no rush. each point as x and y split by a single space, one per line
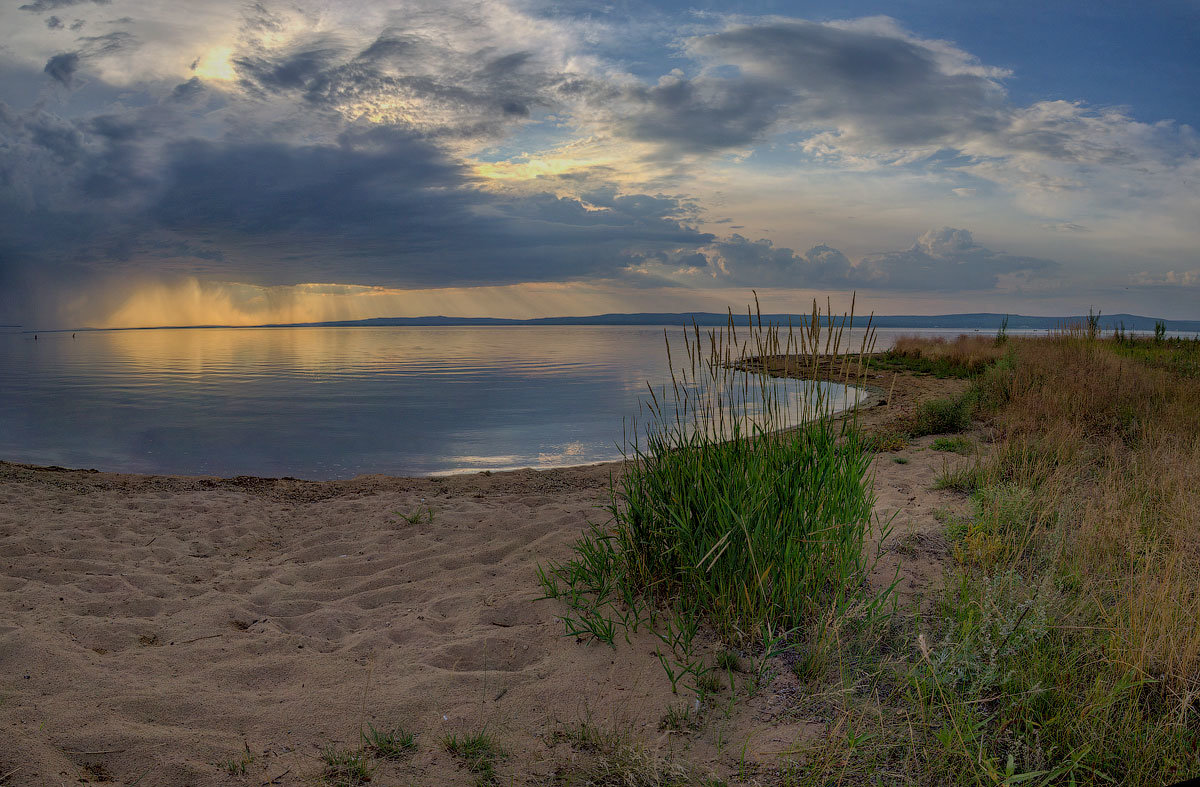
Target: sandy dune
151 627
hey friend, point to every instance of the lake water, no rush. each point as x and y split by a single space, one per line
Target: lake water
325 403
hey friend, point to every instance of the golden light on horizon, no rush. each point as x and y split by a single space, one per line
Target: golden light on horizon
191 302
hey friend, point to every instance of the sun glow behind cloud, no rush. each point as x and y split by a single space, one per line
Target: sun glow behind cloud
216 64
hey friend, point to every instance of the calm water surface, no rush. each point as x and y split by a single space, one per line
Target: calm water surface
327 402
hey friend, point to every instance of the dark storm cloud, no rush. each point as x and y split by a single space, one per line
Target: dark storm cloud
383 206
375 205
704 115
875 83
368 178
902 89
42 6
62 67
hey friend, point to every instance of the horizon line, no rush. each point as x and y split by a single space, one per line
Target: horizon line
613 318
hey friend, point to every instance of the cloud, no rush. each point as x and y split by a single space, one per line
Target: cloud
1168 279
42 6
129 195
454 143
868 94
95 46
868 80
739 260
697 116
941 260
470 73
945 259
325 158
62 67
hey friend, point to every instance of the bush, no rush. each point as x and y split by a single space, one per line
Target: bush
940 416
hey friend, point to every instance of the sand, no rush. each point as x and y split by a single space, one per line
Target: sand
152 628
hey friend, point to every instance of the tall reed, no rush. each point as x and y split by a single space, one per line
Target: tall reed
741 500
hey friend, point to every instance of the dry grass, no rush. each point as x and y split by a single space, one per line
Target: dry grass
965 354
1105 449
1066 646
1117 443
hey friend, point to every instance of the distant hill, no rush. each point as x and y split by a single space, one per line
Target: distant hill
977 321
974 321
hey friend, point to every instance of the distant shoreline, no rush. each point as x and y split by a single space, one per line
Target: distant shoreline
968 321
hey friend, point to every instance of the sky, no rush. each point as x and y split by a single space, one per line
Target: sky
239 162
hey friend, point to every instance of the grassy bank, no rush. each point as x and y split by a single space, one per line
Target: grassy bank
1065 647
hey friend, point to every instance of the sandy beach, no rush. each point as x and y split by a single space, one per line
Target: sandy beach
154 627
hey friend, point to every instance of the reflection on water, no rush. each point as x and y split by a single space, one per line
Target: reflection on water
325 402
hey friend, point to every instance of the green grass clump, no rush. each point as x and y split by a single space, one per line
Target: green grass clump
237 766
728 661
1181 356
344 767
936 367
962 357
742 506
1001 528
755 531
393 744
729 514
679 718
992 388
419 515
954 445
966 479
479 751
